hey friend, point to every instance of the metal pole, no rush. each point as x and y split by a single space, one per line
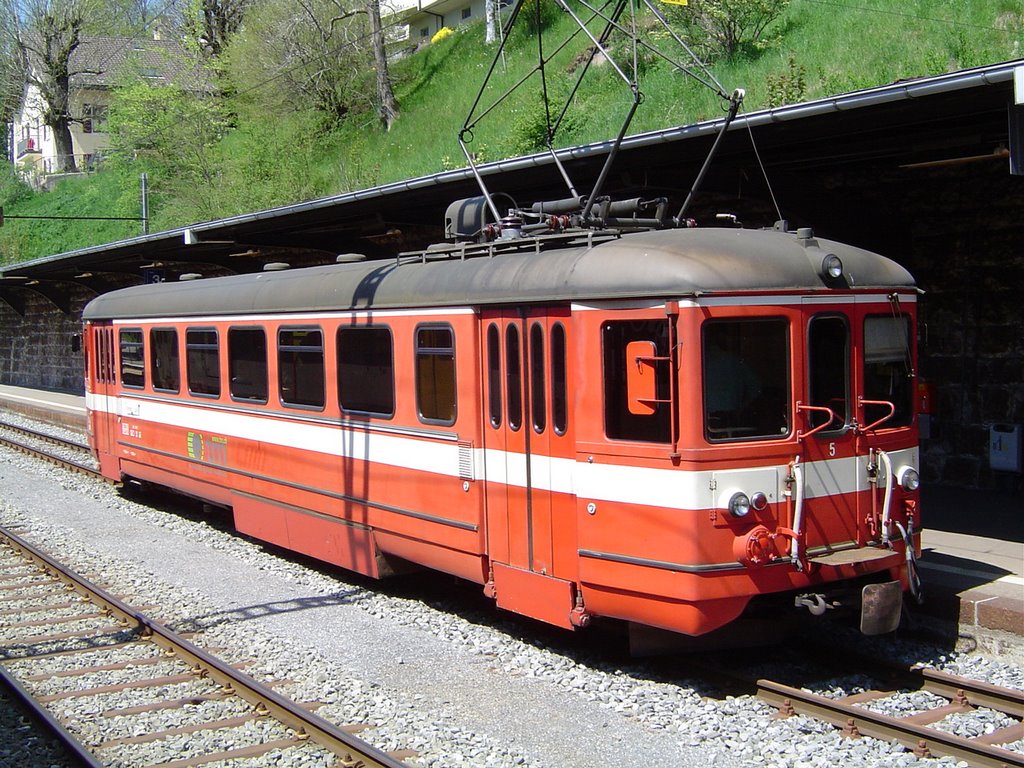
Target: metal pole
145 203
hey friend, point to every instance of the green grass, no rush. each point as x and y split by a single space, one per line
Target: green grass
819 48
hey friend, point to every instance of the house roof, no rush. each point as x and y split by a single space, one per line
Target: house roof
99 62
102 62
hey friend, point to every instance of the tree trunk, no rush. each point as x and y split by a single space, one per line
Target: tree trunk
387 105
490 14
65 148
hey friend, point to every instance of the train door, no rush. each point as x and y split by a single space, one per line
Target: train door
103 393
858 380
527 451
827 470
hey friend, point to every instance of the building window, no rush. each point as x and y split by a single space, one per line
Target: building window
202 361
366 370
513 378
467 12
559 382
828 370
621 421
435 374
746 379
537 378
300 367
888 370
424 31
247 364
94 118
133 359
494 374
163 356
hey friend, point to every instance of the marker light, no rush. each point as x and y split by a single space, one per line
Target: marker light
759 501
832 267
739 505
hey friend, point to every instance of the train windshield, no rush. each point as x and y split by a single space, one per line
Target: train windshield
888 369
746 379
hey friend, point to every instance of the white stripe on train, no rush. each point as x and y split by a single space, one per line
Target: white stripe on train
674 489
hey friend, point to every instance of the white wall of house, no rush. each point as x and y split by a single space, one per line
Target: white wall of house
432 16
34 150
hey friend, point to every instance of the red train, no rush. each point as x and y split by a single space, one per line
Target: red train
659 427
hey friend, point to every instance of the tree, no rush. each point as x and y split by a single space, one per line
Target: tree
733 26
211 23
387 105
313 54
46 33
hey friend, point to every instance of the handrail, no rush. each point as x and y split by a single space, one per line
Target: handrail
886 463
861 402
821 408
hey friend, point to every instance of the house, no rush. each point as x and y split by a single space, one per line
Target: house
428 16
97 65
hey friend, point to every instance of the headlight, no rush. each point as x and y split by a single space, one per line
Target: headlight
910 480
832 267
739 505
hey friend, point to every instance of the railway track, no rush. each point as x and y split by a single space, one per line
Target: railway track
963 696
31 442
73 653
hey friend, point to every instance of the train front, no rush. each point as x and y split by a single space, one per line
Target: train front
782 393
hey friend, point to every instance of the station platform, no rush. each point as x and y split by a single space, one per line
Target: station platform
972 564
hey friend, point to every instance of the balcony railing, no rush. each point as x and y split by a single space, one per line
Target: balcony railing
28 146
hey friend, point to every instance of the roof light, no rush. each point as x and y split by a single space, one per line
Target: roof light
832 267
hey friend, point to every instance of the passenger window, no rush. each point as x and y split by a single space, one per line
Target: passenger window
300 367
746 379
888 372
559 383
494 374
435 374
163 356
366 370
202 361
537 378
828 363
133 359
513 378
247 364
620 422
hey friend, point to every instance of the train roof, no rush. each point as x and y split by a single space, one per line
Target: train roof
653 264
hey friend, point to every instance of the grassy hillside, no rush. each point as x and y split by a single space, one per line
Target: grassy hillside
818 48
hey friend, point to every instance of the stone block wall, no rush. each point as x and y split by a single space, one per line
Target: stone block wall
43 349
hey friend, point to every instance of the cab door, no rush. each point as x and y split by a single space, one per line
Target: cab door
830 465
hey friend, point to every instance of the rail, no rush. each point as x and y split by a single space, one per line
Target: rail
265 701
913 731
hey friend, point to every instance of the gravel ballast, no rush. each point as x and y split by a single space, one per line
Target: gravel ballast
458 691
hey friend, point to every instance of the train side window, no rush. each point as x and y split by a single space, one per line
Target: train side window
494 375
133 358
247 364
538 407
559 381
746 379
202 361
300 367
164 359
828 364
435 374
513 378
888 369
620 423
366 370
